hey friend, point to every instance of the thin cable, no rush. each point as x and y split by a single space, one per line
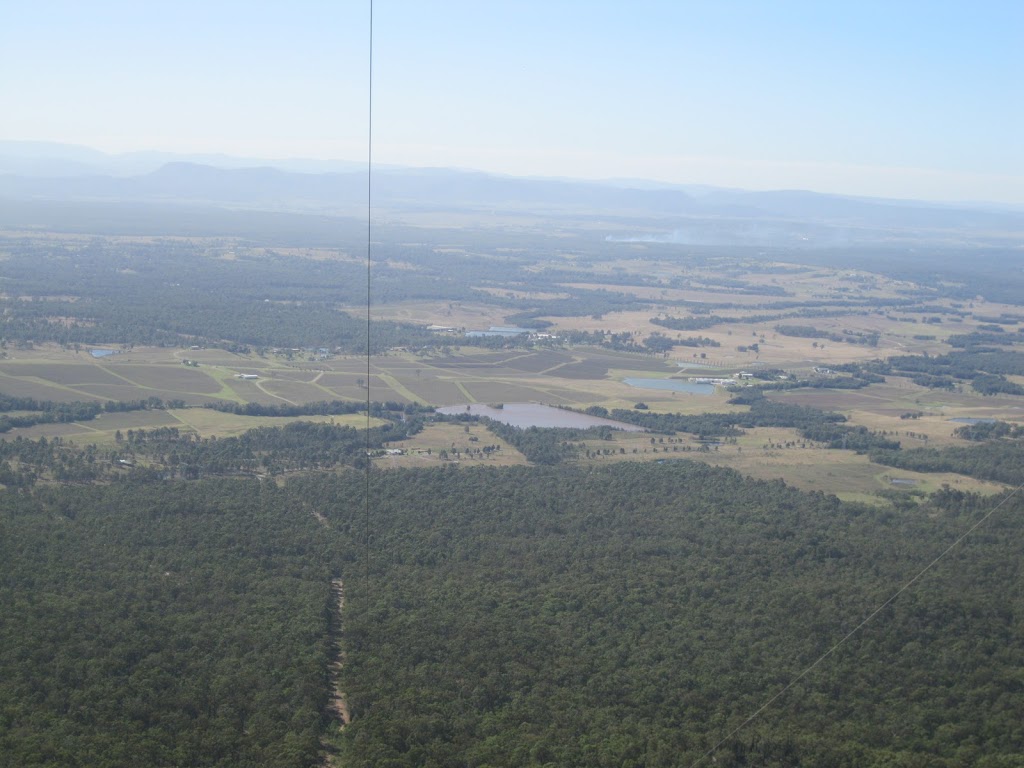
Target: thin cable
369 246
856 629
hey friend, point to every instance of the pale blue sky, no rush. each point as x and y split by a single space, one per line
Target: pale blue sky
901 99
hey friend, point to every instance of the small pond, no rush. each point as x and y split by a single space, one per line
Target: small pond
102 352
536 415
674 385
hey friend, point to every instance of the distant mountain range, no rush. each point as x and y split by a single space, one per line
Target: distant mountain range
46 158
59 172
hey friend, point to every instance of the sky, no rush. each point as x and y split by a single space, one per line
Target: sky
894 99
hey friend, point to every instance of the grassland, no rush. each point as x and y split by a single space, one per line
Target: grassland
446 443
770 454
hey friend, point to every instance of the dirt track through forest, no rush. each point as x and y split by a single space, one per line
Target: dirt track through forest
337 705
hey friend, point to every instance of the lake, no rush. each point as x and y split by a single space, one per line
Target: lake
674 385
536 415
974 421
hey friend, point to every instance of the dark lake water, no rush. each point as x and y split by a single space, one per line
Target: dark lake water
535 415
675 385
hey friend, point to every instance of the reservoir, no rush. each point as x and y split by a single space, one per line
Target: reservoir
674 385
536 415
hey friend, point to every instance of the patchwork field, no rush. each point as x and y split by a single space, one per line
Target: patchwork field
555 372
167 377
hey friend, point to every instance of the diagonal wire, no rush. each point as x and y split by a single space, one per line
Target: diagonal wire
807 670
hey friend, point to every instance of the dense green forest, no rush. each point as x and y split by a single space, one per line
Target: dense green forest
632 615
628 615
161 624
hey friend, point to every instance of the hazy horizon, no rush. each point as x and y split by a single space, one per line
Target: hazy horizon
914 101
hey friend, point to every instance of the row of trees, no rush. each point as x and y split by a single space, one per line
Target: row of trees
812 332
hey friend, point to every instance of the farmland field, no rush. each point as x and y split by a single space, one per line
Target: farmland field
606 319
166 377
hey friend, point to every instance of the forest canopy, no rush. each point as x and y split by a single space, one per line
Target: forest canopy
625 615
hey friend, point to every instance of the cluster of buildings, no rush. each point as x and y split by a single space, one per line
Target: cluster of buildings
494 330
722 382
